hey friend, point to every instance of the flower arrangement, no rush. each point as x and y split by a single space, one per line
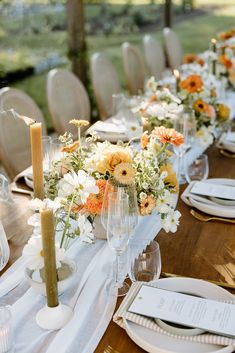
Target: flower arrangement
79 180
159 106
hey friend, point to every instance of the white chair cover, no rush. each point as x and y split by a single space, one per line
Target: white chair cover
173 48
134 68
105 83
67 99
154 56
22 103
15 152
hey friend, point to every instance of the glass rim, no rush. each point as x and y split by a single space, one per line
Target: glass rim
156 248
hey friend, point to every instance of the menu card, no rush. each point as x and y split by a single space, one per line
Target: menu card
187 310
212 189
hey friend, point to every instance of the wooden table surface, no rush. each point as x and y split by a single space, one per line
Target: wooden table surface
198 249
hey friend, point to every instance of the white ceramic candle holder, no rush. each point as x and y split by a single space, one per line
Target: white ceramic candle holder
54 318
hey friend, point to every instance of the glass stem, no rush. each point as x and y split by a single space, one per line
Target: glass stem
118 269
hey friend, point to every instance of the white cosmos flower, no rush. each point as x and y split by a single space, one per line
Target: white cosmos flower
33 253
205 136
165 202
81 183
37 204
156 110
85 227
171 221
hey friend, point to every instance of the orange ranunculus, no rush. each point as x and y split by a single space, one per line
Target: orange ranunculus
70 148
144 140
112 159
167 135
224 60
189 58
192 84
94 201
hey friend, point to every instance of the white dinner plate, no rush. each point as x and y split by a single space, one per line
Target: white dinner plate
215 209
228 145
154 342
28 181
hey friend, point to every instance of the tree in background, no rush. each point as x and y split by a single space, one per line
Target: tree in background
77 51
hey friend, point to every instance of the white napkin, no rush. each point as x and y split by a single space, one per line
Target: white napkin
227 141
122 315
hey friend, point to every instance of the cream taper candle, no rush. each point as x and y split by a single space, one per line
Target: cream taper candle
49 254
37 160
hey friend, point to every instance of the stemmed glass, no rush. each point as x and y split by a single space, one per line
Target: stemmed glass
118 231
4 248
185 123
130 190
5 192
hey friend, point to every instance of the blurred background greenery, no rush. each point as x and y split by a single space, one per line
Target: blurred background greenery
33 33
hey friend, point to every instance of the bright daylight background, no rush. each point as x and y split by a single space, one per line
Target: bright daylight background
33 34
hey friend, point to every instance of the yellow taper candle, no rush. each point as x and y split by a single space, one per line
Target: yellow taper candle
37 160
48 242
177 80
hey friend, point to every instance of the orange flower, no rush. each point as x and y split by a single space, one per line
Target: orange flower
153 98
211 111
94 201
166 135
200 61
112 159
189 58
224 60
200 106
192 84
70 148
144 140
147 205
223 112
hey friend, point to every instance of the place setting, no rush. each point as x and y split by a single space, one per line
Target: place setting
117 210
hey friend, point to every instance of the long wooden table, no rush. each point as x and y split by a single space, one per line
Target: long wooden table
198 249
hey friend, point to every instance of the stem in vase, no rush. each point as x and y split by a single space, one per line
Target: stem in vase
67 222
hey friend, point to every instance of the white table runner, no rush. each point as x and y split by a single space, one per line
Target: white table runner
93 296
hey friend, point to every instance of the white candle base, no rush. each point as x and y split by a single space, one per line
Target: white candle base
54 318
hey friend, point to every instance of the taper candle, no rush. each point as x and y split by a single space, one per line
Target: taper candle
37 160
48 242
213 45
177 80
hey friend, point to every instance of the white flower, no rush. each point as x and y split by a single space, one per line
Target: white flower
33 252
133 129
156 110
171 221
37 204
205 136
151 84
85 228
81 184
145 185
143 196
165 202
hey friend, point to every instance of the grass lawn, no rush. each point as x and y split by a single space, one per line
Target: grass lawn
194 33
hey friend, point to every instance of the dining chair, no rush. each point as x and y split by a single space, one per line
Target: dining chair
134 68
15 152
154 56
22 103
67 99
105 83
173 47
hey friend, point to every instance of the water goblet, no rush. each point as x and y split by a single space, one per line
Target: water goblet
198 169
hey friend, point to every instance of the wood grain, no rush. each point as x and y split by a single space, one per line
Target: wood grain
197 249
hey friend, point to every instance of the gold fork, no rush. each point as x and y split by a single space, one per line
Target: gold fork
205 218
109 349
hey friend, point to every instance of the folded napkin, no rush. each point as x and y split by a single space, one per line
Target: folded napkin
227 141
108 130
28 172
204 204
122 315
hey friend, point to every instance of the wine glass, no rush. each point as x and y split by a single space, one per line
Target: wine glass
185 123
4 248
198 169
147 266
5 192
130 190
118 231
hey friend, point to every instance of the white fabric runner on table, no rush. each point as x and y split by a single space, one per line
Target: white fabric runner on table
92 297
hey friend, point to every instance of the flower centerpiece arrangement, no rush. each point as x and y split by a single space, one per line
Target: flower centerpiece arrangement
159 106
77 181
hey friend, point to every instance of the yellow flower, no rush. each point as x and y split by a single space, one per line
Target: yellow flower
124 173
171 178
112 159
79 123
70 148
147 205
223 112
